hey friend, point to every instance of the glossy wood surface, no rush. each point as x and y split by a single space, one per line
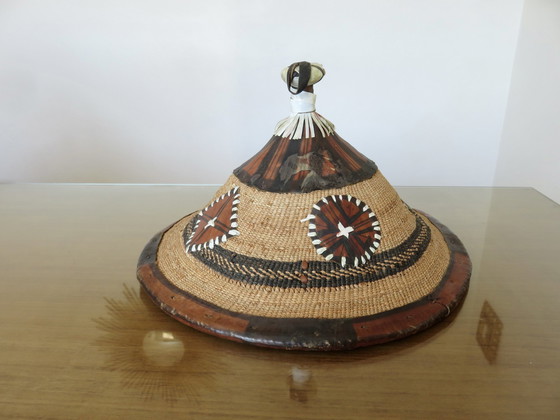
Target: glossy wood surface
78 339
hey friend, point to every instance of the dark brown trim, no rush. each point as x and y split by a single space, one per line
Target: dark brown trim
298 166
177 304
311 334
320 273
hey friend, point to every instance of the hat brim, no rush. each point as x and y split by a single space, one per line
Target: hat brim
311 333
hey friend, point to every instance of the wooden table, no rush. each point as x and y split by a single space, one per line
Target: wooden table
80 340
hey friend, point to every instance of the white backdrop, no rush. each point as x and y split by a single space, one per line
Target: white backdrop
184 91
530 149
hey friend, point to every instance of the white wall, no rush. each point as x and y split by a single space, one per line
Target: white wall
530 148
184 91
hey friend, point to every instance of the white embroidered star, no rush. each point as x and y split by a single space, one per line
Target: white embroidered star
344 231
210 222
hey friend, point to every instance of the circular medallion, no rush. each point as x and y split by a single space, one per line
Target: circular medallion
216 223
344 229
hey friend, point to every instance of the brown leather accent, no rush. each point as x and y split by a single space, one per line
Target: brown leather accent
304 165
420 315
308 333
252 165
186 309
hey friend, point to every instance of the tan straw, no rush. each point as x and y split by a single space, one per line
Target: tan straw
306 246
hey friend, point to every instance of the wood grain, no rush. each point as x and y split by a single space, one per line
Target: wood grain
79 339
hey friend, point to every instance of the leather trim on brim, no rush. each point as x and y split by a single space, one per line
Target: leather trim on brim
311 333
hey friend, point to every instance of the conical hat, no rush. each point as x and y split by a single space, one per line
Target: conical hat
306 246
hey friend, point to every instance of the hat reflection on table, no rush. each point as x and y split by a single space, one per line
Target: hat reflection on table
158 359
306 246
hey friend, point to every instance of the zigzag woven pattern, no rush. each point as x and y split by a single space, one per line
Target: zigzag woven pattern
318 273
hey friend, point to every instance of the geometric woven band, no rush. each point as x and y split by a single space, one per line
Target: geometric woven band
313 274
310 333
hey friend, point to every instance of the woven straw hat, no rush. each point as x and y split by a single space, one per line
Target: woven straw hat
306 246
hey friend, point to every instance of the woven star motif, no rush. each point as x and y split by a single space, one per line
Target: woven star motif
344 230
216 223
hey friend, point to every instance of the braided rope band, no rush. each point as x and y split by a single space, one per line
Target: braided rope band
311 333
259 271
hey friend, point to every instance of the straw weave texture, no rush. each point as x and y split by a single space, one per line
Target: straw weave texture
270 222
270 228
319 273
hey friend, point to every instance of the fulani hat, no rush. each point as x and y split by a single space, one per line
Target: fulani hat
306 246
